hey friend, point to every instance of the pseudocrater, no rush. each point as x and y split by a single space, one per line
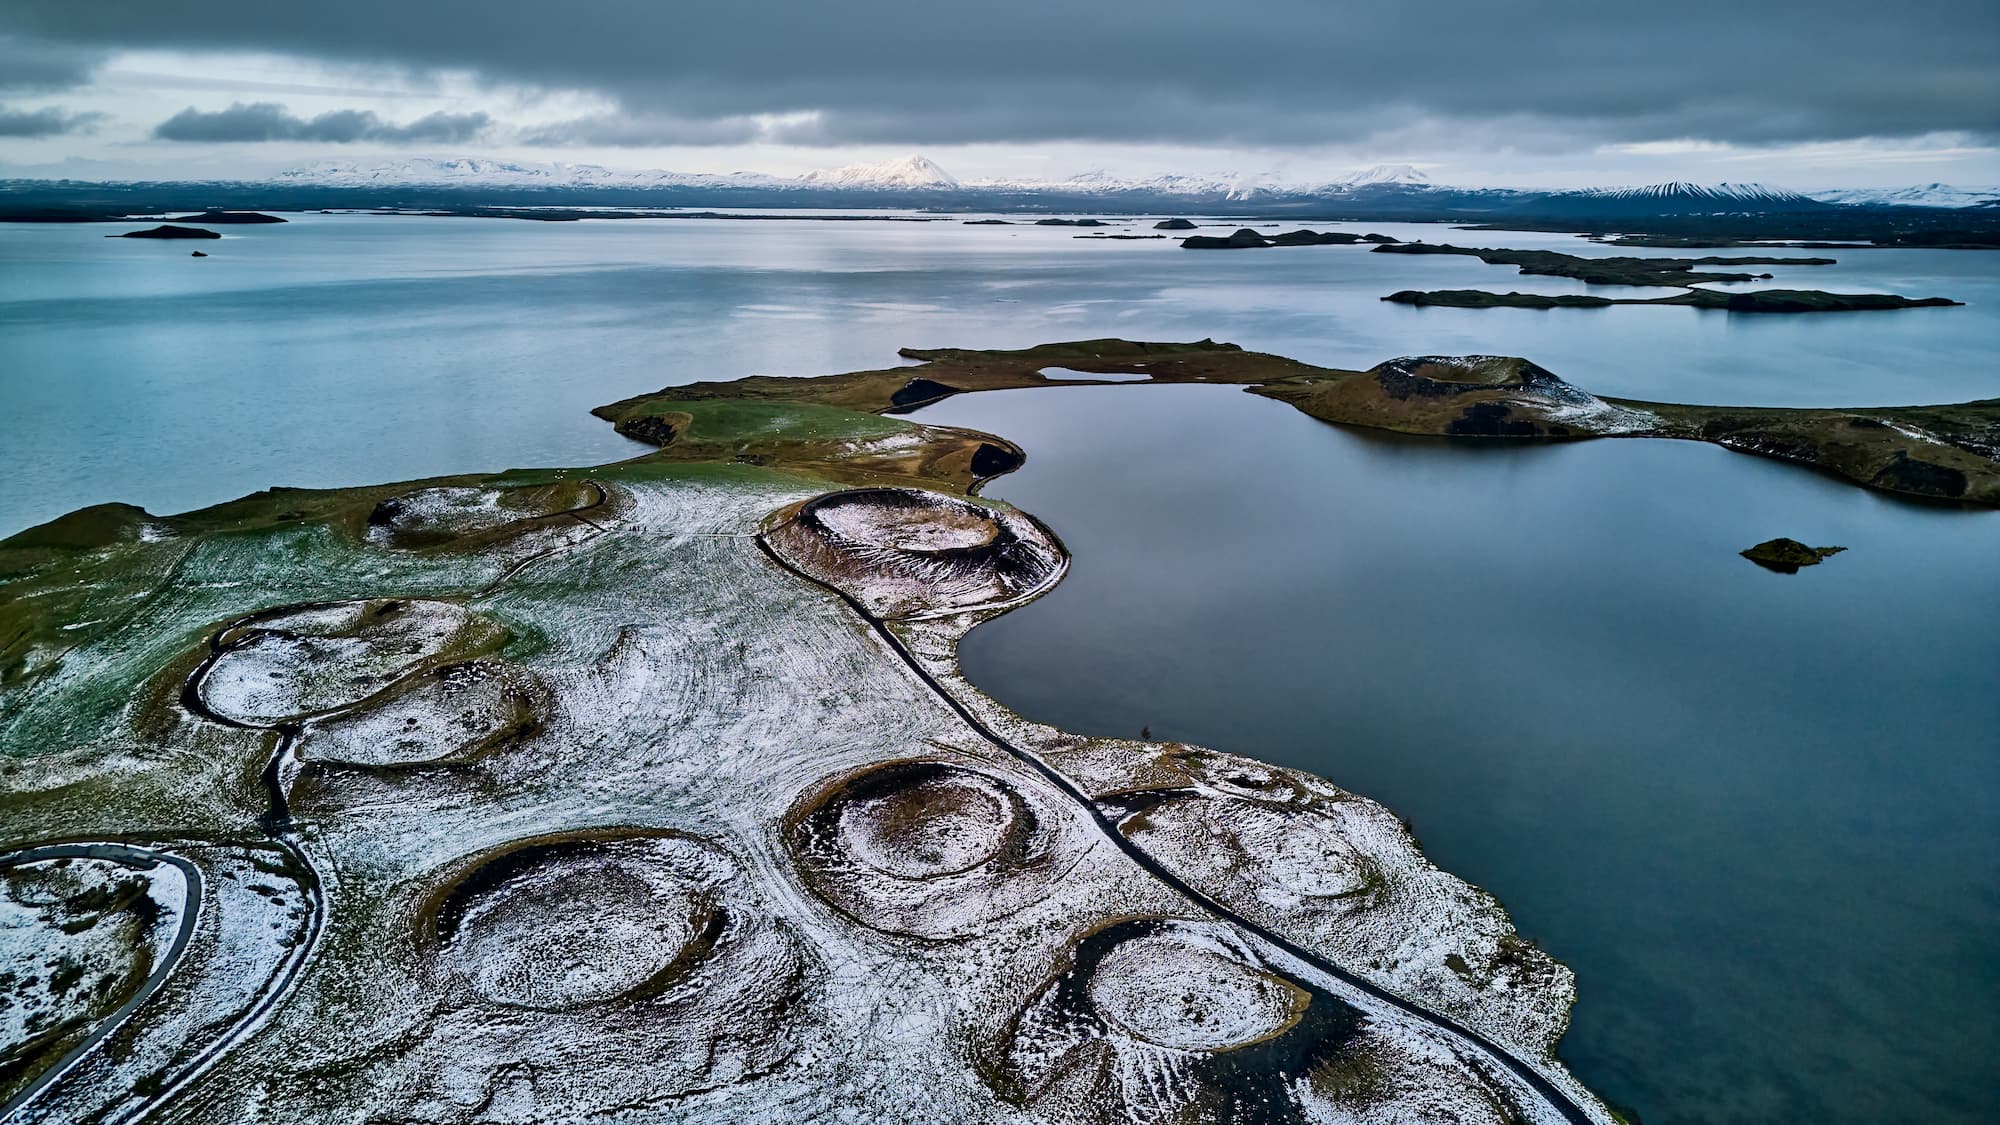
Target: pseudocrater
1164 989
929 821
449 714
572 923
290 664
925 848
904 552
1162 1019
433 517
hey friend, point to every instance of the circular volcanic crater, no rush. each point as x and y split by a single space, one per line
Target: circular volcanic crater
887 519
574 921
905 552
924 847
288 664
1162 988
1185 1022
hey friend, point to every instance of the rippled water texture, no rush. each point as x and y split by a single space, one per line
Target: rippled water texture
350 349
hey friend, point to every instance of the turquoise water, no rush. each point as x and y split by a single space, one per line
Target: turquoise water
1754 812
347 349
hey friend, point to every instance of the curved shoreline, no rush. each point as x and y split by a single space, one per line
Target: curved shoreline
1548 1091
1946 453
1422 382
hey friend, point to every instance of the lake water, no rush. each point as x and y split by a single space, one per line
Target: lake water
346 349
1754 812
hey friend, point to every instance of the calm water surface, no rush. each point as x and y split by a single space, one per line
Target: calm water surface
344 349
1754 812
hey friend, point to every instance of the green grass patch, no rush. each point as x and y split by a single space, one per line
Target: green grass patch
723 420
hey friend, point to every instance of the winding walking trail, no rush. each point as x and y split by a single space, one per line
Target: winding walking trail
139 859
1552 1094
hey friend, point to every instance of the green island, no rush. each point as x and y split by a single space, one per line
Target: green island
1763 300
1684 273
1943 453
657 784
1785 555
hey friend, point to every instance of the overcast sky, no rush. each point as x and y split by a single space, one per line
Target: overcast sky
1802 94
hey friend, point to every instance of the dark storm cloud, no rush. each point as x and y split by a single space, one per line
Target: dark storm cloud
1260 71
29 65
269 121
50 122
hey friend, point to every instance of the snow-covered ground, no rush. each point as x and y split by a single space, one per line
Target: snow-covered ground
747 861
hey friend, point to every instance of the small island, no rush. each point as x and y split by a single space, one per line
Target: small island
1786 556
1681 273
167 230
1759 301
1247 239
226 218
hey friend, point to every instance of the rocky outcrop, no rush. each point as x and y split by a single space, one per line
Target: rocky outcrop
167 230
1786 556
1246 238
1243 239
231 218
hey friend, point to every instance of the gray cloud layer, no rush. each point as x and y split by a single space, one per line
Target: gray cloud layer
1255 71
52 122
27 65
269 121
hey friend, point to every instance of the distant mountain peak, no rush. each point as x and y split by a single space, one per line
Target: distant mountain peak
1683 189
912 171
1405 174
1921 195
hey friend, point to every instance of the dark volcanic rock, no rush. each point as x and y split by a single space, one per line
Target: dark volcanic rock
1173 224
1243 239
1315 238
167 231
199 254
649 428
1786 556
991 460
918 391
1246 238
241 218
1908 474
1494 419
1812 300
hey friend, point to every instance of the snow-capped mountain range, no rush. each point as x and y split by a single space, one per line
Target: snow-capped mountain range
1923 195
909 173
473 172
920 174
1680 189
